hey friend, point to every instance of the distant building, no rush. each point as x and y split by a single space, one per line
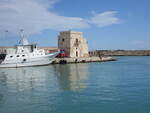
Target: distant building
12 50
4 50
73 44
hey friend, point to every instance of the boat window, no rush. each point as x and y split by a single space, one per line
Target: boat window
17 55
22 50
11 56
24 60
23 55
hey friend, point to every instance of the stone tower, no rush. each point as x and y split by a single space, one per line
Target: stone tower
73 44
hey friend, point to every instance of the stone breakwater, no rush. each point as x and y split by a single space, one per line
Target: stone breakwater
120 53
82 60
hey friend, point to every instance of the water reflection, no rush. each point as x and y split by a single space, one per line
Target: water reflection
23 86
39 86
3 80
67 77
21 79
72 76
113 87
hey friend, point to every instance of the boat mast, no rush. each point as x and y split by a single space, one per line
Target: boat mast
23 40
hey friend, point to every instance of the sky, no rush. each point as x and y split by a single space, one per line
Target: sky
106 24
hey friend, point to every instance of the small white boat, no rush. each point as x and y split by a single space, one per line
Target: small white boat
26 54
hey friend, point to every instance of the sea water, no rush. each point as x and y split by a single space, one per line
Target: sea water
121 86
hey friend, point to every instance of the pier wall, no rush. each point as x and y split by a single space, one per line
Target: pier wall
120 53
82 60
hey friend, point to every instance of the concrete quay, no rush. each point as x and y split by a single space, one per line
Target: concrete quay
120 53
82 60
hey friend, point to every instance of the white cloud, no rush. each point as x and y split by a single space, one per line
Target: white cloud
140 44
104 19
35 16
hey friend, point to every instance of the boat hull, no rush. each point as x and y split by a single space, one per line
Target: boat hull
40 61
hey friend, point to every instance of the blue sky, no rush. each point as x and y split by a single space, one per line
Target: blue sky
107 24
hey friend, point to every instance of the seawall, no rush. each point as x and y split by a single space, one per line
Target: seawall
120 53
82 60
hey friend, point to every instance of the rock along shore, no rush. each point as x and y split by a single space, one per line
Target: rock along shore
82 60
120 53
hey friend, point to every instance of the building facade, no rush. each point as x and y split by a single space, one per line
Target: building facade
7 50
12 50
73 44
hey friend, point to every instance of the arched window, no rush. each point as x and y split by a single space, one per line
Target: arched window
77 40
76 53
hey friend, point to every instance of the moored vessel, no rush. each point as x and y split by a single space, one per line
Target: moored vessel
26 54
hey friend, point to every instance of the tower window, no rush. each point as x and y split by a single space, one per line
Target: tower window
76 53
63 39
77 40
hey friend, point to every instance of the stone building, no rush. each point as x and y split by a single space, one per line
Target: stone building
6 50
73 44
12 50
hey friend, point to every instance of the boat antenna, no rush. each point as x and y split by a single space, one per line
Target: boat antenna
23 40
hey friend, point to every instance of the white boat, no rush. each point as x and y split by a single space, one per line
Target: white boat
26 54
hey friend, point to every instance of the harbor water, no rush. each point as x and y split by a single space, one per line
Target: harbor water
121 86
